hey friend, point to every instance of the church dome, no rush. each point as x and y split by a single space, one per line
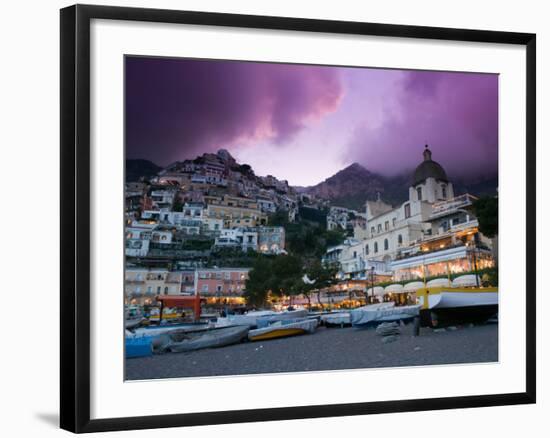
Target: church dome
429 169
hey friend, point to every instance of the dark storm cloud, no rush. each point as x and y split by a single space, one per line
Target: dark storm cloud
455 113
178 109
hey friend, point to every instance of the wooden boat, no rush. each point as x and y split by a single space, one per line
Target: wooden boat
374 314
457 304
281 329
190 341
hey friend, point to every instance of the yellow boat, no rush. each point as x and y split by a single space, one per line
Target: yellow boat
282 329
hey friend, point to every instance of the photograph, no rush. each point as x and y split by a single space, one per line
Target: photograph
285 218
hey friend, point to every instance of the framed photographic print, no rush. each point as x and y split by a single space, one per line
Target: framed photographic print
270 218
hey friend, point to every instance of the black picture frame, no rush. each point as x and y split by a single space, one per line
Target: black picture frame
75 217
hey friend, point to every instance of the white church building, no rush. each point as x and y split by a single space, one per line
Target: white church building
405 239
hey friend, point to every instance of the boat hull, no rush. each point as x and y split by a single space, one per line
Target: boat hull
282 329
458 315
197 341
445 306
373 315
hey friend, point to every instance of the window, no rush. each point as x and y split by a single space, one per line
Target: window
379 228
372 230
407 208
394 220
149 290
419 193
400 240
204 288
158 290
386 225
375 247
367 249
354 254
166 290
444 191
386 244
219 288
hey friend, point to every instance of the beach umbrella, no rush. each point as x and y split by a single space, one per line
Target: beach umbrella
378 291
466 280
394 289
413 286
438 282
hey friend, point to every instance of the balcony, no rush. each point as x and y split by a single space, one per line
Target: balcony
445 207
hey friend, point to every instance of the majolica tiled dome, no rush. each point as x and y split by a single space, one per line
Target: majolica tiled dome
429 169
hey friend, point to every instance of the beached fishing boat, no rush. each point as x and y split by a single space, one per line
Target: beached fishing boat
260 318
375 314
336 319
284 328
457 304
249 319
134 322
190 341
152 331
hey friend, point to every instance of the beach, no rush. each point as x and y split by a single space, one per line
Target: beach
326 349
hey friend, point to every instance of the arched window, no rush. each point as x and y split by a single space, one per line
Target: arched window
375 247
386 244
400 240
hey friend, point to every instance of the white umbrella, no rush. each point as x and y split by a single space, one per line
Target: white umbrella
466 280
413 286
394 289
378 291
438 282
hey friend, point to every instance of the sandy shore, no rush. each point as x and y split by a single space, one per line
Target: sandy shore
327 349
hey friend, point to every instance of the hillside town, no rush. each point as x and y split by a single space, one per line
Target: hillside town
200 227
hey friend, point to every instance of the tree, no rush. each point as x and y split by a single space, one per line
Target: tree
258 283
322 275
486 211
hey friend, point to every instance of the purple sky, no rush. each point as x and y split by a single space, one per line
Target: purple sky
304 123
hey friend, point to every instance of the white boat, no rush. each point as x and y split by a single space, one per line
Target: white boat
281 329
249 319
260 318
448 297
384 312
151 331
336 319
178 343
457 303
134 322
281 316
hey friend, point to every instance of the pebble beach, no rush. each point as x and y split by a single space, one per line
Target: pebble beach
326 349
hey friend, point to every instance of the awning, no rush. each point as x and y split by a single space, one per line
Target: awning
179 300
